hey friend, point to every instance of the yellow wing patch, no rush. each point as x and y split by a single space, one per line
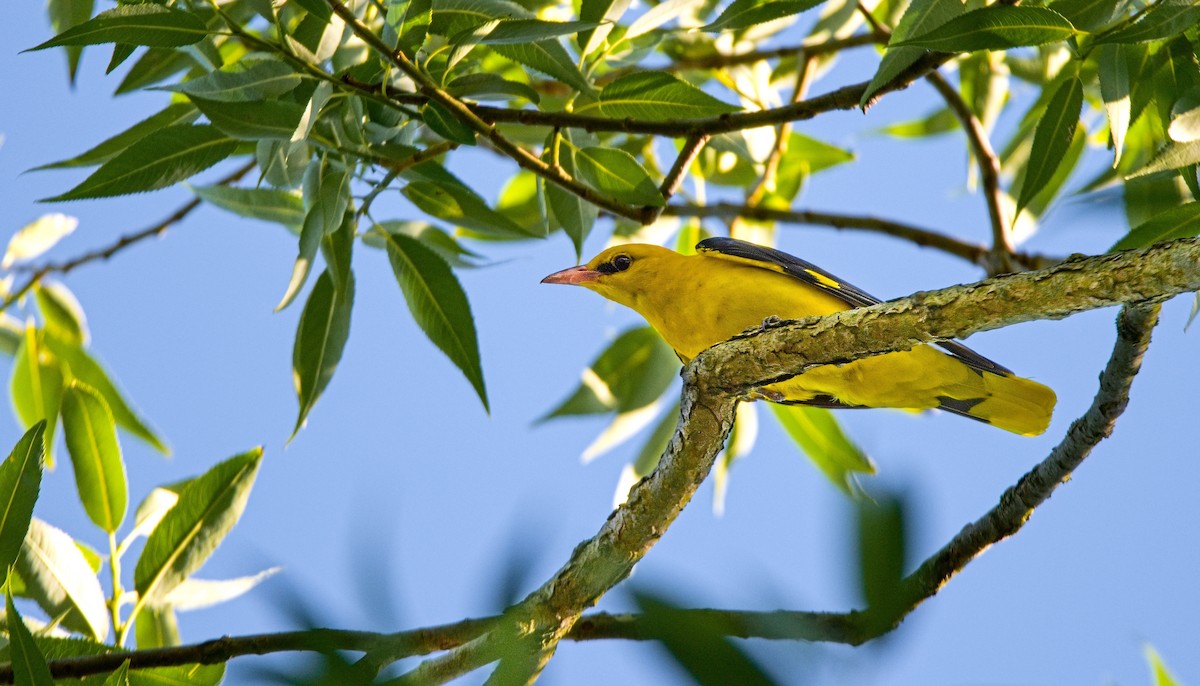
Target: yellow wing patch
824 280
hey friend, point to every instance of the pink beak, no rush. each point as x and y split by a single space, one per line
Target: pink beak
575 276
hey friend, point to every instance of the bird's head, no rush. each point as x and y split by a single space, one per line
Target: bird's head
621 273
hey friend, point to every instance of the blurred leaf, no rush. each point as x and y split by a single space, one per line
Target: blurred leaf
632 372
1049 191
921 17
62 315
1185 125
28 665
455 16
149 513
411 26
658 15
161 159
20 483
531 30
445 124
327 195
741 14
438 305
208 508
36 385
605 14
1159 673
995 27
65 14
1172 156
550 58
1114 89
741 442
197 594
1177 222
624 426
266 204
35 238
12 332
459 205
941 120
249 81
1164 19
882 549
119 677
803 157
699 644
1089 15
80 365
488 86
91 435
818 434
321 337
157 627
142 24
59 578
1051 139
252 120
617 174
657 96
576 215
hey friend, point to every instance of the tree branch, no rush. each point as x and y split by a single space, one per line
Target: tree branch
974 253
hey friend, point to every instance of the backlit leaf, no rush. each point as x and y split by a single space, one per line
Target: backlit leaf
632 372
922 16
617 174
1051 138
35 238
28 665
550 58
459 205
208 507
742 14
161 159
1177 222
141 24
59 578
266 204
818 434
321 337
36 385
438 305
1114 89
1164 19
576 215
657 96
91 436
20 483
1172 156
995 27
62 315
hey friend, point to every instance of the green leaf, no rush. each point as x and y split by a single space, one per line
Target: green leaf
444 123
266 204
481 86
412 25
459 205
1051 139
1164 19
531 30
616 173
154 66
65 14
741 14
320 339
20 483
157 627
1185 122
59 578
37 237
62 315
941 120
28 665
174 114
1089 15
818 434
80 365
922 16
327 193
253 120
550 58
208 507
1114 89
143 24
658 15
882 548
161 159
699 644
605 13
995 27
36 385
632 372
576 215
657 96
197 594
438 305
1172 156
434 238
91 435
120 676
250 81
1158 669
1177 222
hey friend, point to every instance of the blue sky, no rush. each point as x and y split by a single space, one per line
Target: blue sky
400 503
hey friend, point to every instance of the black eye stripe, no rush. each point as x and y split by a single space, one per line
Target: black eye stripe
607 268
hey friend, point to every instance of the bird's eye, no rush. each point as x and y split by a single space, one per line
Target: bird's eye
622 262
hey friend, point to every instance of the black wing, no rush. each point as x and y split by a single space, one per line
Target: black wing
813 275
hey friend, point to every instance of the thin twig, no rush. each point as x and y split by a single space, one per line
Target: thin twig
989 174
674 178
157 229
972 252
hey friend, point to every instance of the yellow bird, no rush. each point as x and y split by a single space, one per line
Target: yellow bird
729 286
